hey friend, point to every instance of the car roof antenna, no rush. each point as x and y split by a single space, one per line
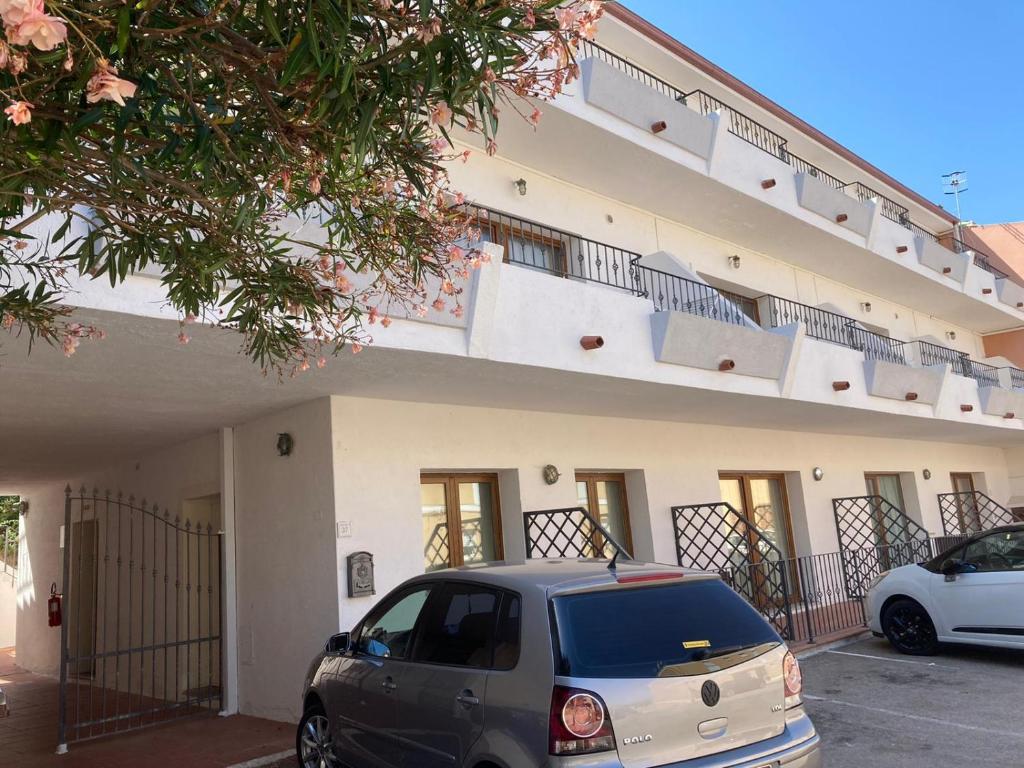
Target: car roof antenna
611 563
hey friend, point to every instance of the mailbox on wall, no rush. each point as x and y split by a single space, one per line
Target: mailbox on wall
360 575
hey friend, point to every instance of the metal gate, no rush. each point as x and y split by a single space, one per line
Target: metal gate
971 512
875 536
715 537
141 631
569 532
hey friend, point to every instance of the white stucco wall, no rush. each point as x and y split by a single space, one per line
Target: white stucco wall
286 567
381 447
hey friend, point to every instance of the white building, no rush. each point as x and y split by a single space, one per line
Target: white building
783 326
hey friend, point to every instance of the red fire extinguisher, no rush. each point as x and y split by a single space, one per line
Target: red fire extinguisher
53 606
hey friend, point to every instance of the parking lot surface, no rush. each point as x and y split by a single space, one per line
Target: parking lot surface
877 708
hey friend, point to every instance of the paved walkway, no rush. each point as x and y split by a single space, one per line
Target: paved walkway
29 736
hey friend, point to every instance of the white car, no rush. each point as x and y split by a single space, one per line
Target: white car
972 593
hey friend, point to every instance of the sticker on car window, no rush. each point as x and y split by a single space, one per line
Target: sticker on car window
696 644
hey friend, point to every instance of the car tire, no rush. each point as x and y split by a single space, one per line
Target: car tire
909 628
313 745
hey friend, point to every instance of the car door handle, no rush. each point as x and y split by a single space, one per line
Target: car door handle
467 699
389 685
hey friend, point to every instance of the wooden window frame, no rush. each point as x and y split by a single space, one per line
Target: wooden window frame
592 479
871 481
961 511
748 499
502 232
451 481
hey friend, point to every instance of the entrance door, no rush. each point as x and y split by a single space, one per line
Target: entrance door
464 503
966 505
603 495
761 499
891 536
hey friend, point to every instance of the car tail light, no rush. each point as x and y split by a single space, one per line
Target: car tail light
793 680
579 723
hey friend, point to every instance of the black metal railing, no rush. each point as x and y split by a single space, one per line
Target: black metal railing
803 166
590 49
986 375
875 346
571 532
556 251
890 208
825 325
971 512
680 294
1016 378
980 257
740 124
934 354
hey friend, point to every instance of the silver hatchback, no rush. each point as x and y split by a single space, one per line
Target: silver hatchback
561 663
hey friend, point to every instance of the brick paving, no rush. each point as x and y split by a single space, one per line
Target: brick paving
28 737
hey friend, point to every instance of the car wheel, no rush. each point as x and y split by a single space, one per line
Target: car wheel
313 740
909 628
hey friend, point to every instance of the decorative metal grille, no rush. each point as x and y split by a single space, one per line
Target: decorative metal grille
141 637
971 512
715 537
570 532
875 536
436 552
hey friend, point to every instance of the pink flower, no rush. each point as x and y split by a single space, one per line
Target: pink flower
530 19
356 347
69 345
7 322
183 338
465 156
430 30
343 284
566 17
440 114
372 316
456 254
458 311
534 117
460 199
385 321
321 362
438 304
19 112
421 310
40 29
439 145
14 11
384 5
314 185
106 85
448 287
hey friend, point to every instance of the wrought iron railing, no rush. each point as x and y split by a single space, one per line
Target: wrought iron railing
9 550
740 124
570 532
962 365
590 49
986 375
825 325
673 292
981 259
875 535
890 208
556 251
803 166
1016 378
970 512
875 346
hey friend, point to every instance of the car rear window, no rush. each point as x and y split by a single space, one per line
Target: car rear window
654 631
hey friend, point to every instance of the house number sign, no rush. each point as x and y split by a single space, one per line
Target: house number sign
360 575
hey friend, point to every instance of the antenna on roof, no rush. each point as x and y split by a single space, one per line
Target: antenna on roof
955 184
611 563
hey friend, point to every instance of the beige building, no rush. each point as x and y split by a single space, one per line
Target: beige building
793 388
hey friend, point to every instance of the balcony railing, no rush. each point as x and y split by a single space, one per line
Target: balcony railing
749 129
1016 378
829 326
986 375
672 292
981 259
933 354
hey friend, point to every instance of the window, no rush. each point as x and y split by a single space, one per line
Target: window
387 631
998 552
464 503
458 627
966 504
603 495
660 631
506 636
886 485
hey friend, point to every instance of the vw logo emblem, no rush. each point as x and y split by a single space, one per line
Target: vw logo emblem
710 693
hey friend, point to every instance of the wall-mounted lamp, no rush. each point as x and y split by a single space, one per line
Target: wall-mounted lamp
551 474
285 443
951 335
817 473
926 474
521 186
734 261
865 306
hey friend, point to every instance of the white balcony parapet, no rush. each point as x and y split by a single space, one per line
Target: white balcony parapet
903 382
834 204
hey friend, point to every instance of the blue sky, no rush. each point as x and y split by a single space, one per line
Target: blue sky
919 88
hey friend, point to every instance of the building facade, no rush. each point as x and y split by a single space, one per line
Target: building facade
790 386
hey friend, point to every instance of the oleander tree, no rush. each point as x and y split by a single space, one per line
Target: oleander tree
197 137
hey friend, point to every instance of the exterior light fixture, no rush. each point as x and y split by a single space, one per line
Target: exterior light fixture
817 473
865 306
926 474
521 186
285 443
591 342
951 335
551 474
734 261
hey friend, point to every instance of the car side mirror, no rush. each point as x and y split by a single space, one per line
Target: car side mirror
950 568
339 643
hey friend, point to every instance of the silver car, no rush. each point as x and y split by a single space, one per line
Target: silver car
574 664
